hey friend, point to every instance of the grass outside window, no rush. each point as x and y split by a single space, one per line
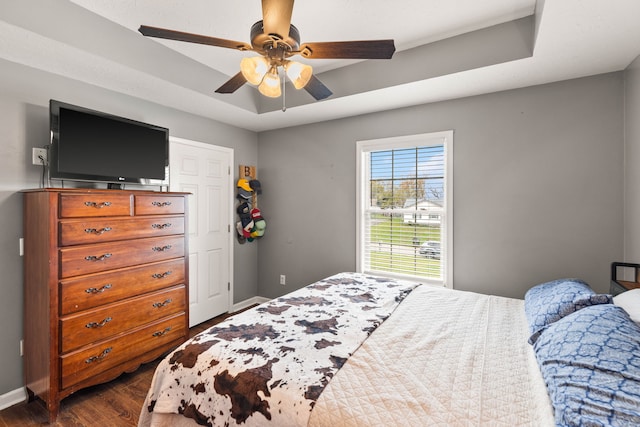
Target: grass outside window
394 245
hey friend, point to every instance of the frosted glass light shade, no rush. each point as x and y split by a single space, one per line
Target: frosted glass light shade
298 73
254 69
270 85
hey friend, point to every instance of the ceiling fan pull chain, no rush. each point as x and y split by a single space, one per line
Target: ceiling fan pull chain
283 79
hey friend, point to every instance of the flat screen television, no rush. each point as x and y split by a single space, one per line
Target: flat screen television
88 145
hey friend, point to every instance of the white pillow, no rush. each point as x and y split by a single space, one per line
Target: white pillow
630 302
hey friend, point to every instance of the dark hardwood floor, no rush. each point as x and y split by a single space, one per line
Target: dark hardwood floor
114 404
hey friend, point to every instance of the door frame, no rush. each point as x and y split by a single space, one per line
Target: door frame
230 207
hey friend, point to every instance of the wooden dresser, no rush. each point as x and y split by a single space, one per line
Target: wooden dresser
106 285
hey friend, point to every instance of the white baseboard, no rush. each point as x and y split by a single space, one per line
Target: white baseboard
247 303
12 398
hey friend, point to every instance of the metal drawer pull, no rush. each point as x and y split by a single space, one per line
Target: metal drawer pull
161 204
161 333
97 231
98 290
97 258
161 226
93 325
100 357
162 304
161 248
161 275
97 205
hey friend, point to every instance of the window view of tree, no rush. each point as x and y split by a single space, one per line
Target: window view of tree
398 176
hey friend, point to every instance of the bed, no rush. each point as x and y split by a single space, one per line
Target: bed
359 350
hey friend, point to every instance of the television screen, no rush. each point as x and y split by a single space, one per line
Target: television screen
89 145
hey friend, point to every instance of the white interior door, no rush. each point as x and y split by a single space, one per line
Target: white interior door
204 170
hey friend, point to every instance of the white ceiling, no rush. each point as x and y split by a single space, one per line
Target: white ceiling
96 41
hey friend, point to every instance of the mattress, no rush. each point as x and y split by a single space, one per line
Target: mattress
440 357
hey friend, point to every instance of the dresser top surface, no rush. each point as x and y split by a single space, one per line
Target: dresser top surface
98 190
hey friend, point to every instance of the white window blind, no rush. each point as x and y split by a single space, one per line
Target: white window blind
404 207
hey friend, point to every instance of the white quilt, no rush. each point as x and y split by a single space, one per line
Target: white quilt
445 358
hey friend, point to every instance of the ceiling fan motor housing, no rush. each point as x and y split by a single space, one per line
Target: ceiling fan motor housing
269 44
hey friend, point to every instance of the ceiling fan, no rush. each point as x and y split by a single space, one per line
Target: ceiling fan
276 40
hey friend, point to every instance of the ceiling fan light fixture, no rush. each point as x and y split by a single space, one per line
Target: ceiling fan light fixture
298 73
254 69
270 85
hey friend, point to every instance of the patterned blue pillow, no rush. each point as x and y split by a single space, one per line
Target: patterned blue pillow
590 361
551 301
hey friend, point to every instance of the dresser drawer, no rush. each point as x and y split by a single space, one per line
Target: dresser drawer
104 288
97 230
98 204
151 204
83 364
89 327
78 260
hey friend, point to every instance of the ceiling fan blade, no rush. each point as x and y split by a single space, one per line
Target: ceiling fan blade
317 89
191 38
276 17
365 49
233 84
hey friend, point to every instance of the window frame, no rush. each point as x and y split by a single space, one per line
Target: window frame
364 147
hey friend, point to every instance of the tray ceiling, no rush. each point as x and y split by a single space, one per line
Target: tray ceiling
445 50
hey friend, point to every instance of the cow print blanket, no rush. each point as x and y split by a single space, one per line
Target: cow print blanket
271 363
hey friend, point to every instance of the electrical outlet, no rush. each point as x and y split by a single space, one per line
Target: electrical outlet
36 153
283 279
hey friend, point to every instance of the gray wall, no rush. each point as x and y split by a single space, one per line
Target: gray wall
538 187
24 120
632 163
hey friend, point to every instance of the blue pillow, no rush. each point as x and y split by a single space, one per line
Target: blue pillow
590 361
551 301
